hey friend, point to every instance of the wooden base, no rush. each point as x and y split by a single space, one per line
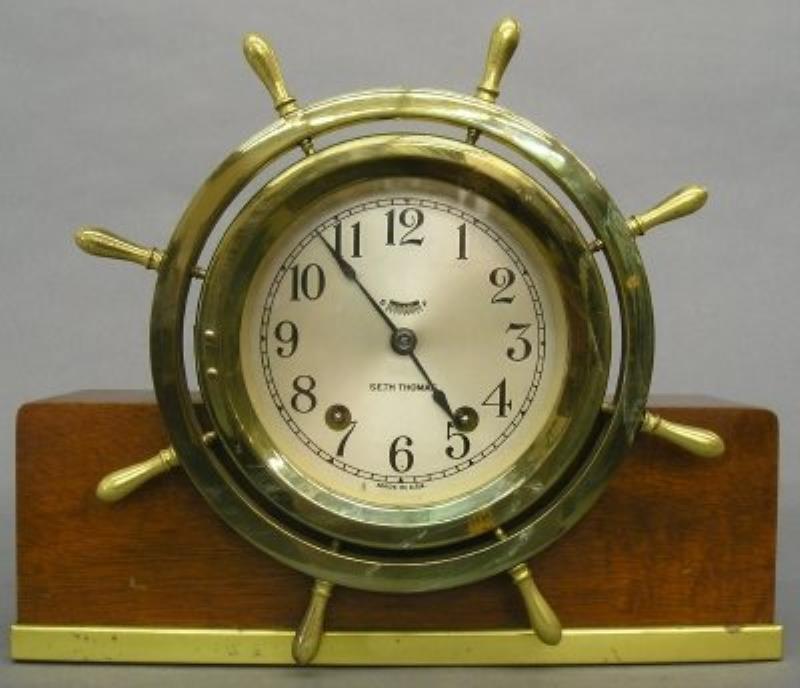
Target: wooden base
675 540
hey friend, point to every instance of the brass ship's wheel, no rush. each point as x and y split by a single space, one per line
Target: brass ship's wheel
409 375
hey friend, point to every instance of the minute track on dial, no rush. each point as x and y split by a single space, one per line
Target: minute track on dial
438 394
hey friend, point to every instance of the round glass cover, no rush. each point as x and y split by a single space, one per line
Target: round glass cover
402 342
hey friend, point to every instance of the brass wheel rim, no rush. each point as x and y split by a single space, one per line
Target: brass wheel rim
615 429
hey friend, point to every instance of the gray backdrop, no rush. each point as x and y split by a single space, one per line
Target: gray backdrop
112 113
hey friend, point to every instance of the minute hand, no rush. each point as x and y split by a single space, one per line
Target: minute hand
439 397
350 273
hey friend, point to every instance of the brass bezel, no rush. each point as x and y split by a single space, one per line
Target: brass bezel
615 430
272 211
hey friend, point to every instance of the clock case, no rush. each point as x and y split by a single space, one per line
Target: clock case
251 463
587 451
500 533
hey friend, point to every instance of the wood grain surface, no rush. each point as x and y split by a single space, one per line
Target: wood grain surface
674 539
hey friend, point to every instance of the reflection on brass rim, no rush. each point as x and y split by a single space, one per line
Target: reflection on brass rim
615 432
260 224
428 648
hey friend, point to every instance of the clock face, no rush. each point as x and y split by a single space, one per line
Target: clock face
403 342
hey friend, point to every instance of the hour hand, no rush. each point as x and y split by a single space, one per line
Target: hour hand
350 273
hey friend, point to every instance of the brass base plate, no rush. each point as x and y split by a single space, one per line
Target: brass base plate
511 647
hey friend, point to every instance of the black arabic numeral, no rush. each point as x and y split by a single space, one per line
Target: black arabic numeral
499 398
345 437
355 239
513 351
303 400
286 332
308 282
462 242
401 459
502 278
452 433
410 219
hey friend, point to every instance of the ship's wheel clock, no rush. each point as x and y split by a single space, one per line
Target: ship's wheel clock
409 374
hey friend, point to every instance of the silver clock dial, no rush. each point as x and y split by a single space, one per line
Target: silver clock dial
404 342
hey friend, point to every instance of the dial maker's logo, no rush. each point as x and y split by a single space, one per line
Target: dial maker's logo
393 307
